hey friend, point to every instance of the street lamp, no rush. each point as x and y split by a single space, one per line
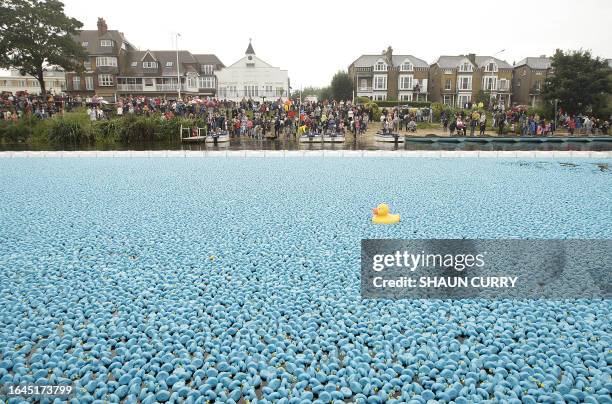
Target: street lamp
178 69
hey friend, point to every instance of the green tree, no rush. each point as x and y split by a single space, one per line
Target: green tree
342 86
579 82
306 91
484 97
325 93
37 35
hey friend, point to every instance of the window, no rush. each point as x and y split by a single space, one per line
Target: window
464 83
503 85
491 67
76 83
405 82
464 99
168 64
87 65
448 100
380 66
465 67
102 61
149 65
89 83
251 91
84 44
537 85
489 83
134 64
380 97
380 82
447 84
406 97
106 42
206 82
123 46
268 89
105 80
207 69
22 83
407 67
363 84
250 65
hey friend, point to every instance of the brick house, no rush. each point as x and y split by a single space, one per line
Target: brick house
457 80
154 72
529 77
390 77
106 50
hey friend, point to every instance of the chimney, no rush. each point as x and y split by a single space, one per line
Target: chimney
542 56
102 28
472 57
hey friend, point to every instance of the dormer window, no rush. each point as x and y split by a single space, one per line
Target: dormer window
149 65
491 67
106 42
84 44
168 64
380 66
134 64
407 67
465 67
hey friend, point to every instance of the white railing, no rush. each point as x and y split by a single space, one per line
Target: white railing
130 87
167 87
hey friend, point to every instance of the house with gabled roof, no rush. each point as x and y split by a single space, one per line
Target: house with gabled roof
252 78
390 77
530 74
456 80
105 49
115 67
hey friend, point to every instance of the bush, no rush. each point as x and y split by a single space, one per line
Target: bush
65 130
20 131
376 112
109 130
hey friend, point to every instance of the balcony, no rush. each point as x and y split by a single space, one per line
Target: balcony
153 87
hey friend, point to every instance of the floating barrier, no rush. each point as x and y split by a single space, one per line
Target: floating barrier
507 139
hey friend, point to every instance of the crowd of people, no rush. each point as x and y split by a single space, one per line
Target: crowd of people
253 118
16 106
276 118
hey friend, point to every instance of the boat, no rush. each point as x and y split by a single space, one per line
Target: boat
221 137
389 137
311 137
200 135
334 138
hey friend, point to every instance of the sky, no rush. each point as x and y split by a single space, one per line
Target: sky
313 39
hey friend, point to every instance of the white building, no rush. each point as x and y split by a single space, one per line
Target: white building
251 77
12 81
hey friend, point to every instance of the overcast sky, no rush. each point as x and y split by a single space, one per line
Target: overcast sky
313 39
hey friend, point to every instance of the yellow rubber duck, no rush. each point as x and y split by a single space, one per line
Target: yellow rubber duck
382 216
